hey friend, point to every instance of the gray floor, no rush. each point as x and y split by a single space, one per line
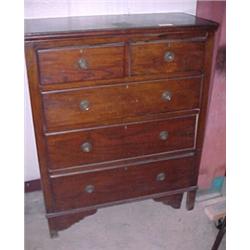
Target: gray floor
145 225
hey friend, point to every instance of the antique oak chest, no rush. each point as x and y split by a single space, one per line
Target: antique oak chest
119 108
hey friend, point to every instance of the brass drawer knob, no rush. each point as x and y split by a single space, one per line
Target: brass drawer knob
161 177
82 63
166 96
163 135
86 147
89 189
84 105
169 56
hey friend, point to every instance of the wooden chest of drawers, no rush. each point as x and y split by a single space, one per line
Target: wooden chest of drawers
119 107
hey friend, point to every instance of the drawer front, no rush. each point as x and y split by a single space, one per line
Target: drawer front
122 183
82 63
118 104
120 142
166 57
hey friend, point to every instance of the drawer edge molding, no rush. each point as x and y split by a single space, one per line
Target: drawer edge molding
165 116
154 117
99 45
135 161
80 85
108 204
122 82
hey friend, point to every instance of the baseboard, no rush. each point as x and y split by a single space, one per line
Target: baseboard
33 185
216 189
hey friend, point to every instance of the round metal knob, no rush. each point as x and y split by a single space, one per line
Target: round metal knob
89 189
169 56
163 135
161 177
84 105
82 63
167 96
86 147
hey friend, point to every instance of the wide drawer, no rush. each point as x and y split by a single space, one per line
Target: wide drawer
121 142
81 63
99 187
160 57
117 104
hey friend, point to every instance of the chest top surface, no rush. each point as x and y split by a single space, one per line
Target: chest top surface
63 26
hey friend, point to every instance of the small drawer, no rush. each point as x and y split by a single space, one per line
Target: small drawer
121 142
99 187
72 64
119 104
161 57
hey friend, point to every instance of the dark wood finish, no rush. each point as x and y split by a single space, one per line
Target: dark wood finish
128 102
113 24
123 79
64 221
118 202
172 200
205 99
138 160
111 185
190 199
37 113
113 143
148 57
33 185
58 65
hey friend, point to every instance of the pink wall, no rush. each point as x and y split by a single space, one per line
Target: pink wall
213 162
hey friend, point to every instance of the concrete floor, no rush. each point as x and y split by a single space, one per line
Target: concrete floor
144 225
